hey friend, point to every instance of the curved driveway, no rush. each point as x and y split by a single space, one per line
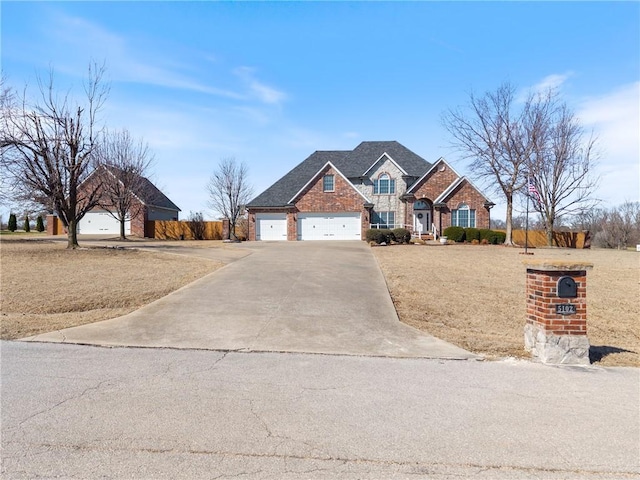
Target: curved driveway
315 297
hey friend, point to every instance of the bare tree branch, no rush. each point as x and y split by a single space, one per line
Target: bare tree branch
562 168
498 138
121 164
49 147
229 190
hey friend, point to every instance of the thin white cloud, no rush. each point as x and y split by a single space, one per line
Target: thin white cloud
551 82
125 62
615 119
259 90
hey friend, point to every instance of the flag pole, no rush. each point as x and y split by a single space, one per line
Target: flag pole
526 228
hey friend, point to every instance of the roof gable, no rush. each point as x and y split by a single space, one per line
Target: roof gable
145 191
442 198
350 163
426 174
279 194
320 172
360 160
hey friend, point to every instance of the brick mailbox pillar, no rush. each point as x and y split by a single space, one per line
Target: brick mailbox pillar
556 328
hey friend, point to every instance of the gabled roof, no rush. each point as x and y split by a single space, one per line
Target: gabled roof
451 188
318 173
351 163
279 194
145 191
428 172
360 159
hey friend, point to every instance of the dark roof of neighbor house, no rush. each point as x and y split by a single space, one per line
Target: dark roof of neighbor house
147 192
352 163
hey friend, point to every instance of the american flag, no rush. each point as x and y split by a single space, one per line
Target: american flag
533 191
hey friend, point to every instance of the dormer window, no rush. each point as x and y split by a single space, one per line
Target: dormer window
384 185
328 183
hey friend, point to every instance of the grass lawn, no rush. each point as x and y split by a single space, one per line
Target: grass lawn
45 287
473 296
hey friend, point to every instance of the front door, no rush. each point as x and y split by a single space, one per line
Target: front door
422 221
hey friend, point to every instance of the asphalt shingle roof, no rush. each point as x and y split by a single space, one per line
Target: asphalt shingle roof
352 163
147 192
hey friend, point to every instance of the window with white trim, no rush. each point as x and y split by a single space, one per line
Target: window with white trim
463 216
383 219
384 185
328 183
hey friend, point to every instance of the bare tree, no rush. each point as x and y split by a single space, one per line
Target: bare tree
197 226
48 148
561 168
498 135
121 166
229 191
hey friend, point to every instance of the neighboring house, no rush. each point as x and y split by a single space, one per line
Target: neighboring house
149 203
338 195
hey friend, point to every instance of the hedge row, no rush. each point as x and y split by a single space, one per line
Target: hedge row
382 235
482 235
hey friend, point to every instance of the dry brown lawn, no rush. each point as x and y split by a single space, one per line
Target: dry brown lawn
45 287
473 296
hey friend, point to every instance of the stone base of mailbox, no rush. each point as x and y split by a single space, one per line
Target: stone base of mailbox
556 349
550 336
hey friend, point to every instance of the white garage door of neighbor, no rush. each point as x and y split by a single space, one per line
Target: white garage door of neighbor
101 223
329 226
271 226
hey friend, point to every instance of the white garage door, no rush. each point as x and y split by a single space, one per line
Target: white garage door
101 223
329 226
271 226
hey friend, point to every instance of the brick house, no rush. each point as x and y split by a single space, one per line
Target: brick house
338 195
149 203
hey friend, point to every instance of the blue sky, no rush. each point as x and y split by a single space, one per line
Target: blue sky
269 83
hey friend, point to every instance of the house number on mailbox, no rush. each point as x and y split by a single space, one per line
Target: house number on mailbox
567 287
566 309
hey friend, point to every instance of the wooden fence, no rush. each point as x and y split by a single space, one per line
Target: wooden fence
538 238
182 230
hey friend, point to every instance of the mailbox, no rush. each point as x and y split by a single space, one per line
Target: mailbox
567 287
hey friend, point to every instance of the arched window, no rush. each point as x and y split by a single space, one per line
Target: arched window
463 216
384 185
420 205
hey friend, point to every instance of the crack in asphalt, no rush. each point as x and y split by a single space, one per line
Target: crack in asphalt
342 460
61 402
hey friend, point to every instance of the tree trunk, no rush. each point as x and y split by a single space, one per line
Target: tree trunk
72 234
549 229
509 220
122 233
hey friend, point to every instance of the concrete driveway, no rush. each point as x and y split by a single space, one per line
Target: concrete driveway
315 297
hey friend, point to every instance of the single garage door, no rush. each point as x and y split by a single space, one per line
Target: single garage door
329 226
101 223
271 226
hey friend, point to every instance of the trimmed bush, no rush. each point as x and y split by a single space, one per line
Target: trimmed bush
454 233
484 233
39 224
12 226
27 227
496 238
471 234
402 235
379 235
502 236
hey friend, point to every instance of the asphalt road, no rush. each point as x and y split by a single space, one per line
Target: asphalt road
71 411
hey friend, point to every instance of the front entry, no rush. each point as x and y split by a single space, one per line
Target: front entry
421 217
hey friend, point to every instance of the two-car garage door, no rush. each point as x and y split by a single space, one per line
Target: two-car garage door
101 223
329 226
311 226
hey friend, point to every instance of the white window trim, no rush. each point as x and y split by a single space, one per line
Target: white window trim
333 183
